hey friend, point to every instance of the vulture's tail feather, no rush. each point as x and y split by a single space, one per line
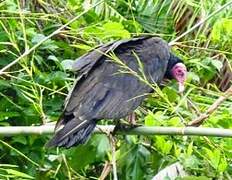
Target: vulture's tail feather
73 133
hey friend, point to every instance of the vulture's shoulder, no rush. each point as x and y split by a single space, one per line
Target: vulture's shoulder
85 63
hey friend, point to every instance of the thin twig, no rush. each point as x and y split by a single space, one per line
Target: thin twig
113 161
199 120
27 52
106 170
20 153
203 48
142 130
67 167
200 23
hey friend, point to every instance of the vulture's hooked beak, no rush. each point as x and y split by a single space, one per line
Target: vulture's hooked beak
181 87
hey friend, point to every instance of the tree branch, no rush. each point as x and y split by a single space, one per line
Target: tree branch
106 170
154 130
199 120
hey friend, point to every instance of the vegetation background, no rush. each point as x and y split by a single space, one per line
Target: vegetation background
33 90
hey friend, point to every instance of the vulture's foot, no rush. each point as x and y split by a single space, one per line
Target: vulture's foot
124 127
132 118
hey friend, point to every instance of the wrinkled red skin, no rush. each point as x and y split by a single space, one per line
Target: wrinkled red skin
179 72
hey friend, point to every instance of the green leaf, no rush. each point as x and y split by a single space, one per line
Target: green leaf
81 156
222 30
171 93
7 115
57 77
191 162
102 144
108 31
94 151
192 76
47 45
67 64
82 46
217 64
37 38
132 161
163 145
223 165
4 84
177 150
18 174
150 120
174 121
190 149
112 29
214 157
20 139
53 58
195 178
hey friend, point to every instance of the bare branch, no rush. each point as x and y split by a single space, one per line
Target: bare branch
154 130
106 170
199 120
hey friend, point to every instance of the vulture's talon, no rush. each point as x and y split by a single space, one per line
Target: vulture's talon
124 127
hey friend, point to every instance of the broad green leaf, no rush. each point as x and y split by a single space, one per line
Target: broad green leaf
82 156
171 93
163 145
192 76
217 64
191 162
214 157
37 38
102 144
150 120
20 139
222 29
67 64
174 121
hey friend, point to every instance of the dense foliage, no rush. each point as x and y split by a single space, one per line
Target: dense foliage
33 90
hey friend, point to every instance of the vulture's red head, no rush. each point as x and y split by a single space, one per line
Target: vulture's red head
177 70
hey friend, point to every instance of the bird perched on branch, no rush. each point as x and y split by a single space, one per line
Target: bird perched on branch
113 80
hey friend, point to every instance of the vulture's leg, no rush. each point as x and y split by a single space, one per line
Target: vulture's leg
132 119
126 127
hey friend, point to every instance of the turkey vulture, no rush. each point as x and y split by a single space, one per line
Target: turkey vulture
106 90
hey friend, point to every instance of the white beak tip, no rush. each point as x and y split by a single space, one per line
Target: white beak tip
181 88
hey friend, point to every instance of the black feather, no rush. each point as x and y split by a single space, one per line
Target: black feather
171 62
72 133
101 92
